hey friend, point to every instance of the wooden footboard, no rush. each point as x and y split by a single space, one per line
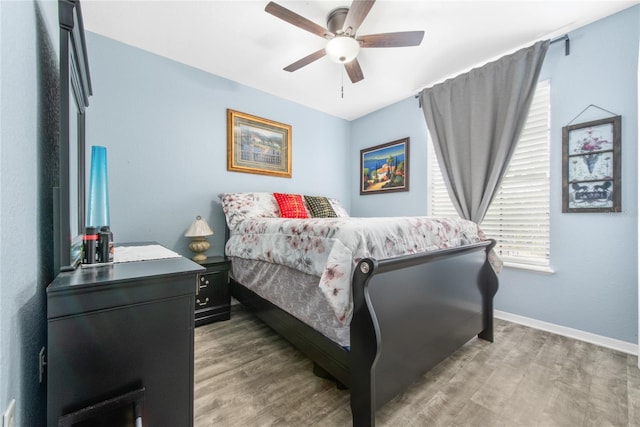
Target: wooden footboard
410 313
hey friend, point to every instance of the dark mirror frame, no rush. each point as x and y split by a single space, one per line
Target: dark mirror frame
75 89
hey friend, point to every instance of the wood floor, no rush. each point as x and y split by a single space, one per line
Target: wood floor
246 375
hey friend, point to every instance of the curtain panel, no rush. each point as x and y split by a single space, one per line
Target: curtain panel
475 120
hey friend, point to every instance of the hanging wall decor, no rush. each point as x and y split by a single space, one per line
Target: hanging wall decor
385 168
591 166
257 145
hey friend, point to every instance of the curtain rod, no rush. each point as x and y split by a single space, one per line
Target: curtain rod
567 48
567 43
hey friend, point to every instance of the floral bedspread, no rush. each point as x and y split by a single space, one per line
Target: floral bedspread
331 247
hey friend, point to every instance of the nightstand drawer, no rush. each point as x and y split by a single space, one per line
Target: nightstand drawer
212 288
213 300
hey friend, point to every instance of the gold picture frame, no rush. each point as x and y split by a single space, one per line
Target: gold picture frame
257 145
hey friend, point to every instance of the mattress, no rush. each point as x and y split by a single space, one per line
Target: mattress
293 291
329 248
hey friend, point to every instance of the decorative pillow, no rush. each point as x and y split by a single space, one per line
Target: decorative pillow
291 205
340 211
319 207
239 206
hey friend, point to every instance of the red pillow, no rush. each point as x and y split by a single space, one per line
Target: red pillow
291 205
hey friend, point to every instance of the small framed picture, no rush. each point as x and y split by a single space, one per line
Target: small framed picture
257 145
385 168
591 179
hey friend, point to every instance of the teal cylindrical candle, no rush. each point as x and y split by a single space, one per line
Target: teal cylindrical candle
98 202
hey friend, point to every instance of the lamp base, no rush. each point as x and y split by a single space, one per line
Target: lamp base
200 258
199 245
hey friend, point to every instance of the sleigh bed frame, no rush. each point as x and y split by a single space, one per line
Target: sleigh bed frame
410 313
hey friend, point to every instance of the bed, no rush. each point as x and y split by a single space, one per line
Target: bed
373 302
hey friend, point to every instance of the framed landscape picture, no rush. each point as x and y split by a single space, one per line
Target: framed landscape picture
591 179
385 168
257 145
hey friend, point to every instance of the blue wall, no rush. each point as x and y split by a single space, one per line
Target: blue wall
594 256
28 135
164 126
400 120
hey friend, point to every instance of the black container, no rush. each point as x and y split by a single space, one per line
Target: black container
105 244
89 243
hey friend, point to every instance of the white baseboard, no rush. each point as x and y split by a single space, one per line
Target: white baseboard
623 346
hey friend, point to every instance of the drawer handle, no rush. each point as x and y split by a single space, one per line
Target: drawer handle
202 304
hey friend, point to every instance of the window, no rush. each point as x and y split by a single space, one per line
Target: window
518 217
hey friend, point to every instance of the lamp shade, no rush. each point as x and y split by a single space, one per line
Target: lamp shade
342 49
199 228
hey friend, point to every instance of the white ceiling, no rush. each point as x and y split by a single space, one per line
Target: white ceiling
240 41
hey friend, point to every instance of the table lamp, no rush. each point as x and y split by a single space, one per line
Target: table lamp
198 231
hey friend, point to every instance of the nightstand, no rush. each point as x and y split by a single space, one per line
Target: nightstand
213 301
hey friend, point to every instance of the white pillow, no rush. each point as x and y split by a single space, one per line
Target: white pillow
340 211
239 206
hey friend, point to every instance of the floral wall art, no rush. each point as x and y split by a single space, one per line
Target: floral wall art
591 166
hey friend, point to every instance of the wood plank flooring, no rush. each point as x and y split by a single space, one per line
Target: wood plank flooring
246 375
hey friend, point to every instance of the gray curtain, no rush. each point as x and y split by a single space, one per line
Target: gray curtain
475 121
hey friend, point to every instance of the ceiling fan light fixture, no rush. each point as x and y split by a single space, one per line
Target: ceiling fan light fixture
342 49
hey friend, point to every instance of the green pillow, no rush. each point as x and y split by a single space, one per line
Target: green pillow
319 207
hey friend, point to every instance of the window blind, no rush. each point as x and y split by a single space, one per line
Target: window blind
518 217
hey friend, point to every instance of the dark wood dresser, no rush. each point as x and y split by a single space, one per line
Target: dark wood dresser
116 329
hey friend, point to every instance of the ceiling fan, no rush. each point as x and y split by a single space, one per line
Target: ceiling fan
343 45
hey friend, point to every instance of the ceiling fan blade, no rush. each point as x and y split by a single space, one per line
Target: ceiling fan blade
357 12
305 61
297 20
354 71
400 39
